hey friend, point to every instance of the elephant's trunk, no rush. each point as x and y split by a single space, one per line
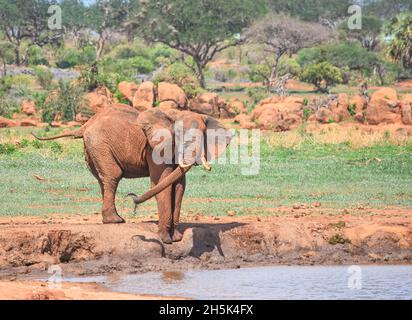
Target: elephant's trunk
179 172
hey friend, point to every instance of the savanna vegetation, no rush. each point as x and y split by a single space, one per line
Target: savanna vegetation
239 48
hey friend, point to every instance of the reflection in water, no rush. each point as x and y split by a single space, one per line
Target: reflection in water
172 276
279 282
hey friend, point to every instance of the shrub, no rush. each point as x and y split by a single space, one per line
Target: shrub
256 94
8 107
322 75
288 65
73 57
44 77
66 104
352 109
36 57
181 75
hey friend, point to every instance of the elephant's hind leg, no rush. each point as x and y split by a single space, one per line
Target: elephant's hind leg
109 211
108 174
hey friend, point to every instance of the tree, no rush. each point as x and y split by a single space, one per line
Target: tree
74 19
322 75
400 44
6 55
198 28
367 36
104 17
26 20
280 35
385 9
328 12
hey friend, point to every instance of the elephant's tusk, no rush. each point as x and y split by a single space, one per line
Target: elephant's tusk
205 164
184 165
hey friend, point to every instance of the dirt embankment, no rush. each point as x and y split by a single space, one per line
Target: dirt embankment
83 246
34 290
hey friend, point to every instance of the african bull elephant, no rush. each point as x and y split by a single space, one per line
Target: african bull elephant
121 143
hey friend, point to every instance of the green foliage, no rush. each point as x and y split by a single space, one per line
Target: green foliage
66 104
367 36
340 55
256 94
354 61
181 75
288 65
352 109
312 10
322 75
338 239
400 45
36 57
8 107
44 77
6 53
68 58
7 148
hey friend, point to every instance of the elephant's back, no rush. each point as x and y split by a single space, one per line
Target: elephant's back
117 135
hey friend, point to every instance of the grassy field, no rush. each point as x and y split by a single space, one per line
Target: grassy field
51 178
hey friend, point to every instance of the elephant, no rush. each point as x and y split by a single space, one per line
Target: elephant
120 142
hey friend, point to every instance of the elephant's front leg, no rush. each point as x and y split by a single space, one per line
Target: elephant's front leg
164 207
164 200
178 192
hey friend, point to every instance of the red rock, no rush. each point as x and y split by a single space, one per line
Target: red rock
100 99
206 103
325 115
144 96
7 123
171 92
406 108
28 123
237 106
128 89
28 107
244 121
384 107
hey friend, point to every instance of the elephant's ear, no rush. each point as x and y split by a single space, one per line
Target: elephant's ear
217 138
156 126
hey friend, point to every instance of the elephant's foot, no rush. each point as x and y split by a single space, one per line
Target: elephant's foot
112 218
165 237
177 236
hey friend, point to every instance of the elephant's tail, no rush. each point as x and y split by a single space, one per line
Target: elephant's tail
76 134
179 172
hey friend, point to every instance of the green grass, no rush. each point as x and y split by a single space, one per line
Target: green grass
337 175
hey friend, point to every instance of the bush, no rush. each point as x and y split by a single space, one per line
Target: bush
44 77
288 65
36 57
73 57
8 107
257 94
66 104
322 75
181 75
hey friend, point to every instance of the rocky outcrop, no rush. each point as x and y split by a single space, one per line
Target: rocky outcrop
28 107
171 92
7 123
100 99
278 114
144 96
384 107
406 109
128 89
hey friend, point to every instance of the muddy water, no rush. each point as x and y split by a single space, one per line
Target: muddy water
280 282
